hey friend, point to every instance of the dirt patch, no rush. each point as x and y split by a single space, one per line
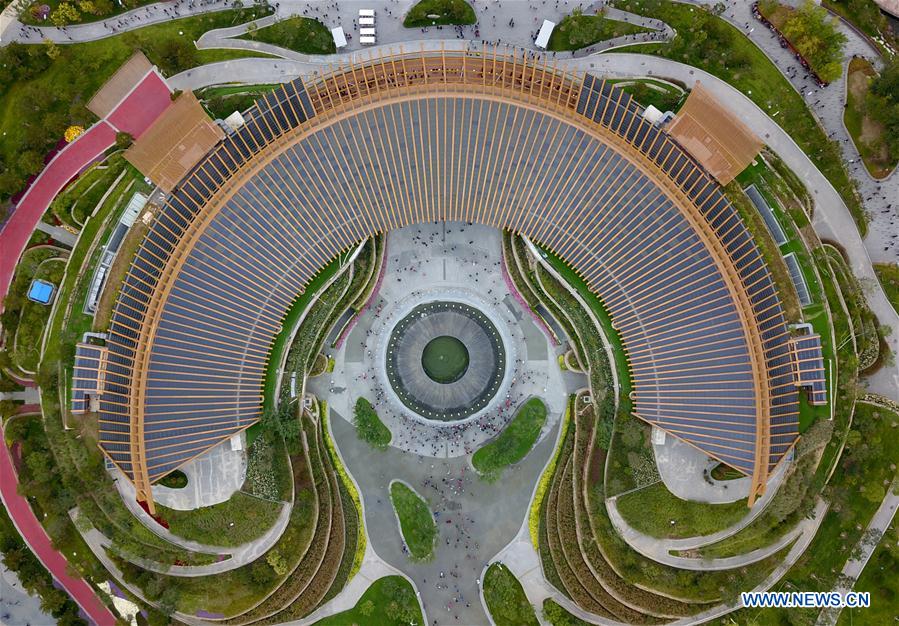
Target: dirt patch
88 426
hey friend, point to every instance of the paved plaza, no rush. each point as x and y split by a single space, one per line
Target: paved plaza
475 519
440 262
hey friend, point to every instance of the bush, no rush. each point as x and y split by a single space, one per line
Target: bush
238 520
505 598
814 34
300 34
174 480
448 12
369 426
417 523
578 31
514 442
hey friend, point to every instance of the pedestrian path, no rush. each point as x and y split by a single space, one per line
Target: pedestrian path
853 568
516 23
881 197
36 538
74 158
59 234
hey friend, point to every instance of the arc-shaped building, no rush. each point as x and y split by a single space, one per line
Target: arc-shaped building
499 139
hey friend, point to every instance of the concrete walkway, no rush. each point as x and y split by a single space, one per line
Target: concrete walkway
853 568
687 473
658 549
521 558
240 555
832 220
59 234
827 105
30 395
475 519
516 23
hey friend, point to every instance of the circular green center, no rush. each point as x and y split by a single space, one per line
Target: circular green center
445 359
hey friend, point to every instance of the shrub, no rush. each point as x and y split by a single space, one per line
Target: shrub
369 426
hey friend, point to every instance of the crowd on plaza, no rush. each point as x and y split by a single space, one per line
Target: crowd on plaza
450 439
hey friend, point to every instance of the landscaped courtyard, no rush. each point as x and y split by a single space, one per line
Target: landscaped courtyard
445 331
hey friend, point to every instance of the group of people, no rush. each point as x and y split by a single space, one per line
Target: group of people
481 272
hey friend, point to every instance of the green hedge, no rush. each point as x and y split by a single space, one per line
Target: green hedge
514 442
506 601
416 521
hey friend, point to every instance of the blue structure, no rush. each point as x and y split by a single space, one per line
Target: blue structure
41 292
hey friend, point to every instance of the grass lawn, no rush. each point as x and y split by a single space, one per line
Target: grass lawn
880 580
578 31
648 92
867 134
723 471
416 521
888 273
236 521
855 492
505 598
221 102
440 13
300 34
174 480
652 509
76 202
111 10
28 267
513 444
34 317
445 359
556 615
711 44
35 111
369 426
389 601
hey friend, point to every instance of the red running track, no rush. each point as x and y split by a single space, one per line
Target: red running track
64 167
134 114
33 534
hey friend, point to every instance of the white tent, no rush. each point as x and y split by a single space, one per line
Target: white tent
339 37
543 36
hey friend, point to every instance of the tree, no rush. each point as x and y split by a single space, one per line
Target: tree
123 140
814 33
883 103
52 49
65 14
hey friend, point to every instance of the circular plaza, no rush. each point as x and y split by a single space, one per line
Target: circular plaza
445 360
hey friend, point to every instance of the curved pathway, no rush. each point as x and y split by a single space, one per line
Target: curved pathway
516 23
521 558
67 164
34 535
240 555
880 197
658 549
853 568
832 220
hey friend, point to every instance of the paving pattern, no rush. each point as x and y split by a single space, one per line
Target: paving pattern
432 262
475 386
